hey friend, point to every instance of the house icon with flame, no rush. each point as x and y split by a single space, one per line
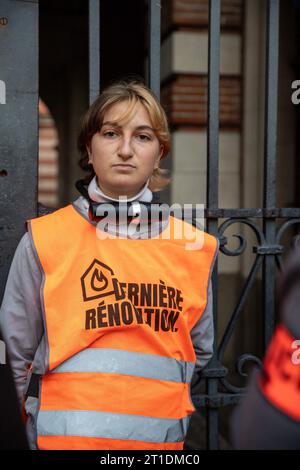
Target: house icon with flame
96 282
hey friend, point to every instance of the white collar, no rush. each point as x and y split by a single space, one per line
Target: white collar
97 195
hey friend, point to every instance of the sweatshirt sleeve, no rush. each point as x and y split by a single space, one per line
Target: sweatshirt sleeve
20 314
202 334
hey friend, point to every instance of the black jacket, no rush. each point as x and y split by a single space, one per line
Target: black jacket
262 422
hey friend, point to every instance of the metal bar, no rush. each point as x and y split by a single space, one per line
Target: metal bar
237 311
271 103
216 401
213 104
94 49
213 188
253 213
154 46
18 125
283 213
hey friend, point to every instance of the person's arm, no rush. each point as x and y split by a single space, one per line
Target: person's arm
12 429
20 314
202 334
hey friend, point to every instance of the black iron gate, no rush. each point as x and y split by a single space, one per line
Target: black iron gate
19 165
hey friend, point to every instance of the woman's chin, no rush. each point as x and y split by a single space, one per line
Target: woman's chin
125 188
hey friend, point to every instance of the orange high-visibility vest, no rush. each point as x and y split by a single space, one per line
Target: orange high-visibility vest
118 314
280 381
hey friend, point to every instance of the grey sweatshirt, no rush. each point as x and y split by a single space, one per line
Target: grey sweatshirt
21 319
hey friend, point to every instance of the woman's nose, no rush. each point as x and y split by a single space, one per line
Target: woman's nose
125 149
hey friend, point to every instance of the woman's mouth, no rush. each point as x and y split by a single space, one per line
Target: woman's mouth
124 166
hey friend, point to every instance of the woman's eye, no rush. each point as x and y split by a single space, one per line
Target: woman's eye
144 137
109 134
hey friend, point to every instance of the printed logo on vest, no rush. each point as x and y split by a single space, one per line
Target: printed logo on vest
95 281
156 305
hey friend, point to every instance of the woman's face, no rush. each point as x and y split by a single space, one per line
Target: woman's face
124 156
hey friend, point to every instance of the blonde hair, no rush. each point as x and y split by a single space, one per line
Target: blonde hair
134 92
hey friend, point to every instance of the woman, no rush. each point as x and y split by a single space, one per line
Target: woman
105 326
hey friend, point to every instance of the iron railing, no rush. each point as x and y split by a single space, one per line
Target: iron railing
19 159
275 221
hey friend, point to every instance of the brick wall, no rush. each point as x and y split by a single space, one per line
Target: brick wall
184 94
182 14
48 158
185 100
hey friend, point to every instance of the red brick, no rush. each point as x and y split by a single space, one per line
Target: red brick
185 101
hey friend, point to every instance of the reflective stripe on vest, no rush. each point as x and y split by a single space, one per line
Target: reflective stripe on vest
116 361
118 315
110 425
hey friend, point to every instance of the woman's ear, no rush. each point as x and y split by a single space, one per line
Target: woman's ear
89 153
161 151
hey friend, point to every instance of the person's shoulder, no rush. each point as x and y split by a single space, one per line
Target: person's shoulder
24 245
45 213
51 223
24 259
211 238
196 232
44 210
